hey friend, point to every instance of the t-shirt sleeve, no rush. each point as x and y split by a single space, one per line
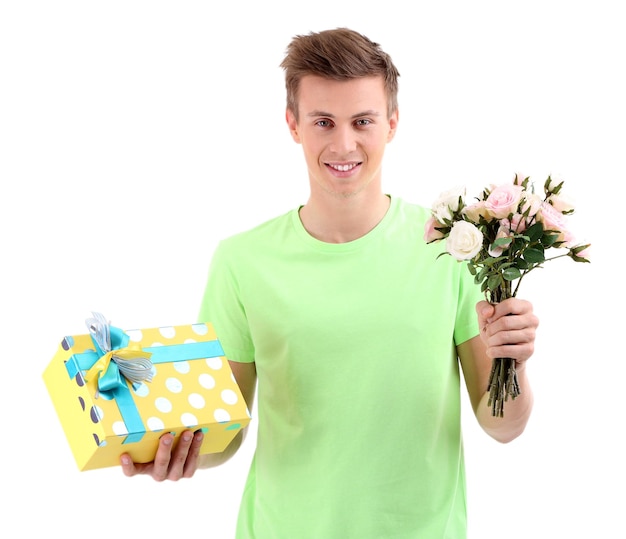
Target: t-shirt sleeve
221 306
466 325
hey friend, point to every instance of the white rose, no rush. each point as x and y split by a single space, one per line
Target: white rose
475 211
531 203
464 241
552 183
447 203
562 203
519 179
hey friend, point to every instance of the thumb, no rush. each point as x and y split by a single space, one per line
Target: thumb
485 311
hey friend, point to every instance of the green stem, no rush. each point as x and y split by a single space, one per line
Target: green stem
503 381
555 257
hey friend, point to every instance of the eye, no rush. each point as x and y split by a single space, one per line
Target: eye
323 123
363 122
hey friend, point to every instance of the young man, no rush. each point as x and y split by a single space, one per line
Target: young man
354 330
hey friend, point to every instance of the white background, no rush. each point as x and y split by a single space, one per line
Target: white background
135 135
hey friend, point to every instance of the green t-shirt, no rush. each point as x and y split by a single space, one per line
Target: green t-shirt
359 430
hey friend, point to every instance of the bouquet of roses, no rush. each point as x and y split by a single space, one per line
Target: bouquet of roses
503 235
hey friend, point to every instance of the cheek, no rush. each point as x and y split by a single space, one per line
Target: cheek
376 150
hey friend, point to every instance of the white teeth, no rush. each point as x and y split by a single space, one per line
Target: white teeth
343 168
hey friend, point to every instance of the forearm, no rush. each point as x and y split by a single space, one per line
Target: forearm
211 460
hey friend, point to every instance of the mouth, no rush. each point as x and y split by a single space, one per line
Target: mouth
343 169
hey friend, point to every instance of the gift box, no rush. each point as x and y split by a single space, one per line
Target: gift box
119 391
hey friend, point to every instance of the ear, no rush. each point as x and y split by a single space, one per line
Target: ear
393 125
293 125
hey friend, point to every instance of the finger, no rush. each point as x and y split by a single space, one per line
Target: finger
484 310
128 466
511 336
512 306
160 467
180 455
131 468
191 464
520 352
508 324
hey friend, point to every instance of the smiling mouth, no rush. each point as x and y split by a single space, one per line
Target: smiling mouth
343 168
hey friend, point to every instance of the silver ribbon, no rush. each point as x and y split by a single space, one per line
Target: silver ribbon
136 369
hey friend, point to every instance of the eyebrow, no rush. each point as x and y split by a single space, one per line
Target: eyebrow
316 113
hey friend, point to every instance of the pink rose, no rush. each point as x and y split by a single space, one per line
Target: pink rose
517 223
553 219
504 231
503 200
430 232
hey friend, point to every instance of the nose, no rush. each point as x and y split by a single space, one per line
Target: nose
343 140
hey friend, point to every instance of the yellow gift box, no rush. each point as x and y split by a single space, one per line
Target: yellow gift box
119 391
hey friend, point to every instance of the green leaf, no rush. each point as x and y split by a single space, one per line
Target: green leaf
502 241
521 264
494 282
535 231
492 261
580 248
534 256
512 273
519 243
548 240
577 258
482 274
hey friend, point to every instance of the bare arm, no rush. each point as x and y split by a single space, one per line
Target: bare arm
245 374
174 461
507 330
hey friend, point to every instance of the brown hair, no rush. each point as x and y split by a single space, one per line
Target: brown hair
339 54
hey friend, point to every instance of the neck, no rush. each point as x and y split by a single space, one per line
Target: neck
341 220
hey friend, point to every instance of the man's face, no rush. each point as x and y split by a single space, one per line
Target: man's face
343 128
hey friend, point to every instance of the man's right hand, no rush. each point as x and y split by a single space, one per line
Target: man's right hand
174 459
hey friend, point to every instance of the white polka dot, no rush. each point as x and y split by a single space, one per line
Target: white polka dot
206 381
163 405
174 385
157 343
229 396
196 400
182 367
215 363
134 335
141 390
190 341
221 415
189 420
200 329
119 428
168 332
155 424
